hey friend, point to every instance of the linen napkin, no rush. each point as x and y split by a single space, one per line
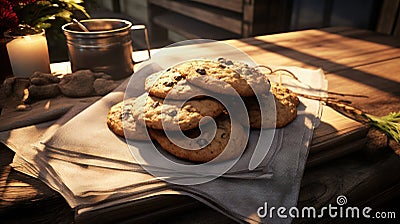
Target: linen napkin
41 111
240 198
88 187
20 135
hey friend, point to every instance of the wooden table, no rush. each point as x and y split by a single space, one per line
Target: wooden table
355 61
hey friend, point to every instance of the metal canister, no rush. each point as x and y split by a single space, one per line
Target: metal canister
107 47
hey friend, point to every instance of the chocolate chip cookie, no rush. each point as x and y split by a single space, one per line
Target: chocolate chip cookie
286 108
221 78
175 115
172 84
121 121
207 149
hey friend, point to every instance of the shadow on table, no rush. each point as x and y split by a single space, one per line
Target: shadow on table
389 87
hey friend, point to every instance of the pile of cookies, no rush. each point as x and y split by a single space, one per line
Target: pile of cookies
179 97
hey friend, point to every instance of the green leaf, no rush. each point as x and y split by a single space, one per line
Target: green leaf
42 13
390 124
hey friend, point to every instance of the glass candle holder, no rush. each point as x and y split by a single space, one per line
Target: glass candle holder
27 50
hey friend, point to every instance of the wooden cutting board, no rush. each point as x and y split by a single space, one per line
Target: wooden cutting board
336 136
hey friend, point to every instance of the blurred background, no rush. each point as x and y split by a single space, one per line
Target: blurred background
176 20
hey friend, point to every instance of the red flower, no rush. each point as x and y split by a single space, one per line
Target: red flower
8 18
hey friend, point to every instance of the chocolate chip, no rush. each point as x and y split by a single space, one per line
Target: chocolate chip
172 113
168 84
178 78
201 71
229 62
202 142
155 104
222 66
169 69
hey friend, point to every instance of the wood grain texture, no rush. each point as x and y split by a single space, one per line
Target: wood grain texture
387 19
191 28
244 18
356 61
360 177
396 31
212 16
233 5
259 14
24 199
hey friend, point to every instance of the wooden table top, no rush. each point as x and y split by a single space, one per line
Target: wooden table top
355 61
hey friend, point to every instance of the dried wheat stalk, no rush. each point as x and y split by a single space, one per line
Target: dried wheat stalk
389 124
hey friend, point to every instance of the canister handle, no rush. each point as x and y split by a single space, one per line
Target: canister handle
146 37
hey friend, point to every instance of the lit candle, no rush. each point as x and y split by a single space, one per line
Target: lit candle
28 54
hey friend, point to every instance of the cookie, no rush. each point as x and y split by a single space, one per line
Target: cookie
257 80
172 115
286 108
120 118
208 149
282 92
173 84
220 78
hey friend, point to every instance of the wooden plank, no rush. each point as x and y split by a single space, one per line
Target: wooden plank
387 18
360 177
307 37
396 31
116 5
214 16
328 44
338 151
287 57
378 81
24 199
175 37
160 206
157 33
335 128
265 17
233 5
191 28
337 29
137 9
336 136
332 52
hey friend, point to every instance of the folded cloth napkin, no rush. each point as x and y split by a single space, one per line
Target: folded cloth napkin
41 111
91 187
23 130
87 187
94 177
